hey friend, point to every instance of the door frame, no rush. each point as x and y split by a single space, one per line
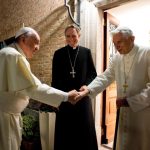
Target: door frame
109 95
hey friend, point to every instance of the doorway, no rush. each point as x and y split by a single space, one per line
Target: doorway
109 95
139 28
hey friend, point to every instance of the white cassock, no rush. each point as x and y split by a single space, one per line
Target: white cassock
17 85
134 121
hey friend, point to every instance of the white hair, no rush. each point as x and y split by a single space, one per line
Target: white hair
124 30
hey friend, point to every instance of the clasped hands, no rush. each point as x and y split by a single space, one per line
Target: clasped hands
74 96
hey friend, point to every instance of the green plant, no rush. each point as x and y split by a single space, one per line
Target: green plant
30 128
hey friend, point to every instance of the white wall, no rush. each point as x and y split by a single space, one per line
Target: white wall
91 37
136 16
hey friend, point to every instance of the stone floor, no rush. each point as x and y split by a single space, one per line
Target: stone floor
107 146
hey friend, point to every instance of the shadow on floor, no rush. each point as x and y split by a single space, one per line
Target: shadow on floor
107 146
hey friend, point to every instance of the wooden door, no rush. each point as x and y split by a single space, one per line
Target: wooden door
109 95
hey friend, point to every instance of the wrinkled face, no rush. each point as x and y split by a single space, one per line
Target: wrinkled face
122 43
31 45
72 37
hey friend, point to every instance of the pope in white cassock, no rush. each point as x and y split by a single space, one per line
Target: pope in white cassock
18 84
130 68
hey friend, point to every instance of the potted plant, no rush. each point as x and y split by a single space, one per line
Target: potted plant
30 133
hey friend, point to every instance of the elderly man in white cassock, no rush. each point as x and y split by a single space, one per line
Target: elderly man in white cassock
130 68
18 84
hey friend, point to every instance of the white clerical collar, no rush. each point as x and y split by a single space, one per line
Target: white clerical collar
132 52
19 49
74 48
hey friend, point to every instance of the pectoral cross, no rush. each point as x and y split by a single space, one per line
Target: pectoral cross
73 73
125 86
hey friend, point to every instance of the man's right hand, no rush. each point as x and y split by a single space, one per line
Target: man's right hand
72 96
122 102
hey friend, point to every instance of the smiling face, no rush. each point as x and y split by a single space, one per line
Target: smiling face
123 43
72 37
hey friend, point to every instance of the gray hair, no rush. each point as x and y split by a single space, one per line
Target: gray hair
124 30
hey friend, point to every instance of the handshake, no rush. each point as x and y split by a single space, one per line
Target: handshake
74 96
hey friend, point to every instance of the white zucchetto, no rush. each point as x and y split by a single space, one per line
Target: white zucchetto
23 31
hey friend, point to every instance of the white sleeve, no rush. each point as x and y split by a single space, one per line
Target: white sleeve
141 100
101 82
46 94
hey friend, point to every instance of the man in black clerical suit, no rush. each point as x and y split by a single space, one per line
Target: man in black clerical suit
73 67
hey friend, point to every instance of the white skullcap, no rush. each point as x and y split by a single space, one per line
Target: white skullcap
23 31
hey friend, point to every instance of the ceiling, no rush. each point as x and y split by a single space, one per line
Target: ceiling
135 5
136 16
107 4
